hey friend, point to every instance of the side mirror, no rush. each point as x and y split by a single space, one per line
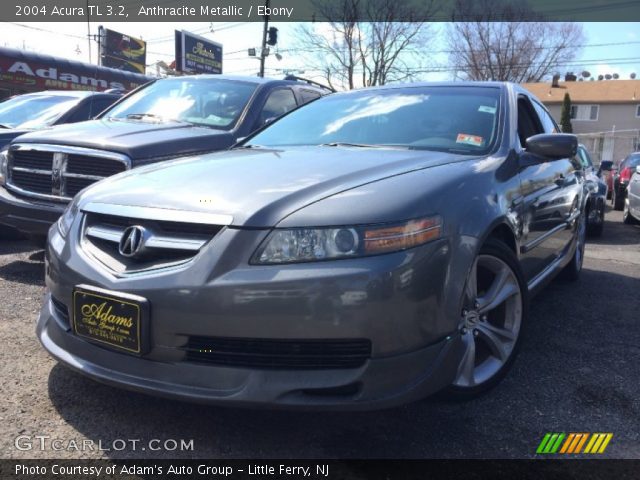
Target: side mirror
552 146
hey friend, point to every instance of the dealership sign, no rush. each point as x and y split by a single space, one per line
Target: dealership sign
38 76
123 52
195 54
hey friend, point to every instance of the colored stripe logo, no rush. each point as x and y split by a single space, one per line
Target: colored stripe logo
573 443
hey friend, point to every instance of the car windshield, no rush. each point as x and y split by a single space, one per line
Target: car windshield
34 111
215 103
457 119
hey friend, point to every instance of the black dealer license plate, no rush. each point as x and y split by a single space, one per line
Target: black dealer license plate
110 318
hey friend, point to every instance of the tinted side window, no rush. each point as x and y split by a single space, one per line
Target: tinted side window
279 102
100 104
548 123
528 122
80 114
308 95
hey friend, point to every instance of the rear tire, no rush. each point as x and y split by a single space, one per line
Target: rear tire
495 308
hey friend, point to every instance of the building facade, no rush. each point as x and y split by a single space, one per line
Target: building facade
604 114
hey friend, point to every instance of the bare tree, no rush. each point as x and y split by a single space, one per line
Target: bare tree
520 48
389 46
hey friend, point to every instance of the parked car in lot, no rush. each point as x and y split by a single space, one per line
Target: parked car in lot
631 211
365 250
621 180
597 198
165 119
33 111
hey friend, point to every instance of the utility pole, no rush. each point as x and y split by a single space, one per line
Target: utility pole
88 31
264 40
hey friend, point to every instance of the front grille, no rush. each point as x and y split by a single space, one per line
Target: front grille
278 354
33 159
57 172
34 182
164 242
74 185
95 166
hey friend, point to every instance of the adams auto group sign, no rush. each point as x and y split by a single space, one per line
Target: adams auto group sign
40 76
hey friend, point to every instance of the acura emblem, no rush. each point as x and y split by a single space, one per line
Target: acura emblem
132 241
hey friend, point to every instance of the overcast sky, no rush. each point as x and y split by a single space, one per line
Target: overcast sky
69 40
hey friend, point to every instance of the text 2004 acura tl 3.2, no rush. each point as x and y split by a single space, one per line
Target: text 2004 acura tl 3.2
368 249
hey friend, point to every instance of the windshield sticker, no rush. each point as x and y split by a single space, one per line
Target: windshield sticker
469 139
486 109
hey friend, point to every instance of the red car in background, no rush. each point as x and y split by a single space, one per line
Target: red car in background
621 179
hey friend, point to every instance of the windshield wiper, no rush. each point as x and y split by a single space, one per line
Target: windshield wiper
140 116
249 145
361 145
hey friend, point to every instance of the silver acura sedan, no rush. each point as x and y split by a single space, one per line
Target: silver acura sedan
368 249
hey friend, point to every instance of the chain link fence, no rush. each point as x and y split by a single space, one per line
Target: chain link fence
615 145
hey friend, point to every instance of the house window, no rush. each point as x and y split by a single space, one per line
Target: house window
638 111
585 112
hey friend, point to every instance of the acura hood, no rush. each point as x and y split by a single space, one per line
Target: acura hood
258 187
139 140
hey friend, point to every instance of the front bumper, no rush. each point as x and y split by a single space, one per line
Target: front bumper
397 301
29 216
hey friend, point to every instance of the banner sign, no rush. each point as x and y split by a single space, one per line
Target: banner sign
123 52
195 54
29 72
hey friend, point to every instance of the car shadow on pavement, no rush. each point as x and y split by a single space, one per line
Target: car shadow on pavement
8 247
27 272
576 370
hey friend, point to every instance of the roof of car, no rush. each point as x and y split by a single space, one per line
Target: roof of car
240 78
436 84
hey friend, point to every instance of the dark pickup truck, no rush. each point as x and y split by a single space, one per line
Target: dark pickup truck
174 117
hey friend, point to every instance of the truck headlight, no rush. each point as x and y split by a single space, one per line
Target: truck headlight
67 217
4 165
314 244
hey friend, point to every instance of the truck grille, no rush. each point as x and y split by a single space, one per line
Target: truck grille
279 353
162 243
57 172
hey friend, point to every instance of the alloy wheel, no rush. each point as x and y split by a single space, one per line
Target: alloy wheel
491 319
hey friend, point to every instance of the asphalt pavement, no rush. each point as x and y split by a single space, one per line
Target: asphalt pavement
577 372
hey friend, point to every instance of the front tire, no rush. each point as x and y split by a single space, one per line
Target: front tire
495 309
595 225
572 270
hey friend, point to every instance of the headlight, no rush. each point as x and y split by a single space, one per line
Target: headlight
4 165
314 244
66 219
